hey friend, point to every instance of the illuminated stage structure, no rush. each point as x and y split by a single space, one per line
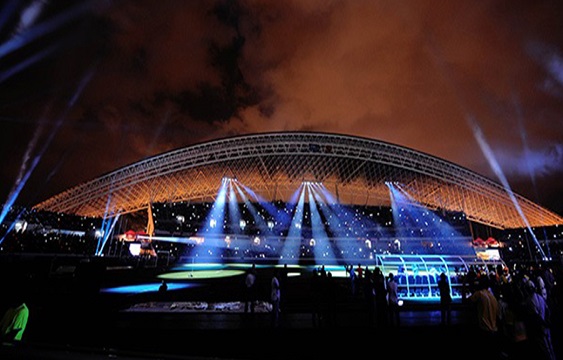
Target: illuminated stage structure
290 196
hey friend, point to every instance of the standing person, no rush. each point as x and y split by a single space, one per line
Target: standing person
393 298
488 312
513 335
163 287
330 294
537 320
162 290
250 290
316 296
283 286
369 291
275 296
381 305
445 299
14 321
360 273
352 280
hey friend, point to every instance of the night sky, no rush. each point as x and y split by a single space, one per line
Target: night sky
89 87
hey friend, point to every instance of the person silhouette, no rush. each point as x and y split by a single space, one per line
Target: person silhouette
14 321
162 290
445 299
393 299
275 298
250 290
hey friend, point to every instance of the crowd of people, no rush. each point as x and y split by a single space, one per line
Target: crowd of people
515 308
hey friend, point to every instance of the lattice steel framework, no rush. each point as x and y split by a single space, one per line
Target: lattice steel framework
355 169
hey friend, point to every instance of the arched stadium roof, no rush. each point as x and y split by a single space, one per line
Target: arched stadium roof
273 165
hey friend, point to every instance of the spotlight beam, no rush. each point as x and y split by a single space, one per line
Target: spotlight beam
9 9
347 225
280 215
488 152
22 65
234 211
414 221
106 235
342 229
259 219
292 243
42 29
25 172
212 231
323 248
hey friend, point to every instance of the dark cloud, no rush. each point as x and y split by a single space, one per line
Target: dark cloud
158 75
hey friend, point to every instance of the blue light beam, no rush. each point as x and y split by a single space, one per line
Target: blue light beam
489 155
212 232
322 248
292 243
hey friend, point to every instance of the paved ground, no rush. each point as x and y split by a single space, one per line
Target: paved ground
81 323
173 335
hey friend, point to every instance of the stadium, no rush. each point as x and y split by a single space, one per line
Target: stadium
303 203
306 198
357 170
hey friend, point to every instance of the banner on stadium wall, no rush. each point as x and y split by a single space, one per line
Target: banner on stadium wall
488 254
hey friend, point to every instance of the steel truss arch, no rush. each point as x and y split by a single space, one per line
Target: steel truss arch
274 165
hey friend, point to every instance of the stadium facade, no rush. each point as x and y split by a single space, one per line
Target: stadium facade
357 170
307 199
